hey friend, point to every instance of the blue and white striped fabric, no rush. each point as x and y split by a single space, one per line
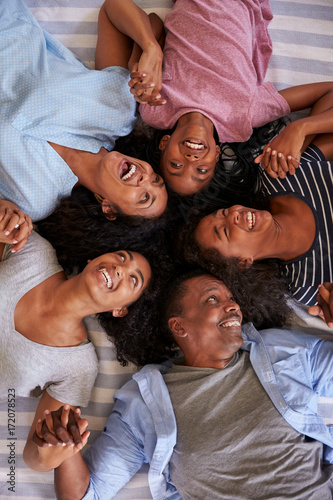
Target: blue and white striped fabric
312 183
302 53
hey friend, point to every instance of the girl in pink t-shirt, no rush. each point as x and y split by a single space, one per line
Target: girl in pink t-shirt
215 59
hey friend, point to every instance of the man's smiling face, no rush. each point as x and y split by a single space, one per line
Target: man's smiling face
209 328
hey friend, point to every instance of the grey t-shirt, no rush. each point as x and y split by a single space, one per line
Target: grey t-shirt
66 373
233 444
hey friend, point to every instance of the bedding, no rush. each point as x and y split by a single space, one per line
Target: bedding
301 31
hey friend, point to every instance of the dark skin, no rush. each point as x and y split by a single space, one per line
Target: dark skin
209 333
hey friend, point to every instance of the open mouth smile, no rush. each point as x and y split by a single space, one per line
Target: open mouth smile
106 276
251 220
128 171
228 324
194 145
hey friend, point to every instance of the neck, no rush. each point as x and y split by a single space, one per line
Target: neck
294 229
82 163
52 313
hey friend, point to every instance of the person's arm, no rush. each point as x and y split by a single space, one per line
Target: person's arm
122 23
324 308
283 153
15 226
45 458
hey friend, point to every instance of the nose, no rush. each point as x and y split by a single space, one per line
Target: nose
235 217
120 271
142 178
192 156
231 306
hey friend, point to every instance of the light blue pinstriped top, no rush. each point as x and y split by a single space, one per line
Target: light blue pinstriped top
49 95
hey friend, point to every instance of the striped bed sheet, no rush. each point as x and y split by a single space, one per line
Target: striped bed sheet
301 32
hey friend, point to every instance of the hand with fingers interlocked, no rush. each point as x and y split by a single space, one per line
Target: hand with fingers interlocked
60 435
15 225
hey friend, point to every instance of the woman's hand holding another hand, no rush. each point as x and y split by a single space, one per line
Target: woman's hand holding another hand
324 308
60 435
15 225
282 155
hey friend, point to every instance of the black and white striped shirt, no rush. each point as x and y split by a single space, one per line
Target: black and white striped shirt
312 183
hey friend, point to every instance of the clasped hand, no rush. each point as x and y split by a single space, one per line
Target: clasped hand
324 308
146 77
15 225
60 435
282 155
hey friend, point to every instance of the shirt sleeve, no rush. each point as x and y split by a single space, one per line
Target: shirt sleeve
113 459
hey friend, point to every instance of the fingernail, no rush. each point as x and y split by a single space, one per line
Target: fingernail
330 324
13 251
268 150
46 412
63 444
79 446
6 233
273 153
14 242
289 157
66 407
279 155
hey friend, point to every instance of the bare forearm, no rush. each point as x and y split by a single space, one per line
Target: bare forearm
157 27
71 479
130 20
33 459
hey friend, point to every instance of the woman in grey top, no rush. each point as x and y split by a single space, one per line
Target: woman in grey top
43 342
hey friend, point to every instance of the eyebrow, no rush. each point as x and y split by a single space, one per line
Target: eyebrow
217 233
130 255
141 276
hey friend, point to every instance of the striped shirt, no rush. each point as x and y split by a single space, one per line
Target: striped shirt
313 184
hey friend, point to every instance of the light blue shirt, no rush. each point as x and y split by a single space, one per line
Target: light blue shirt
294 369
49 95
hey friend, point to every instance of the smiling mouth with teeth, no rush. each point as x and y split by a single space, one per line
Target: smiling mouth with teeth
251 219
106 276
198 146
128 172
227 324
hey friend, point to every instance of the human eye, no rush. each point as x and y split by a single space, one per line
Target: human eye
135 280
122 256
145 198
202 170
157 179
211 299
176 165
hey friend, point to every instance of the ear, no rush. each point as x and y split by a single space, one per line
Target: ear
245 262
176 327
218 152
119 313
163 142
108 209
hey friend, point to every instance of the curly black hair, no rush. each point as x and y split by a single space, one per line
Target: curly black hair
139 337
236 178
260 289
79 230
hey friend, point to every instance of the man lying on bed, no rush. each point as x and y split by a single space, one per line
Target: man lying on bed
236 417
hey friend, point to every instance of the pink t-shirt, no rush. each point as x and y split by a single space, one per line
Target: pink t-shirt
215 59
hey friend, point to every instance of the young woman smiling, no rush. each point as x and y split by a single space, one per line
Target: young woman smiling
58 125
44 345
296 229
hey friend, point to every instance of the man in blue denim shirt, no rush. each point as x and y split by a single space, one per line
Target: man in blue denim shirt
238 417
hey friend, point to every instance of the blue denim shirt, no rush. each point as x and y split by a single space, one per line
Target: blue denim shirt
294 369
47 94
